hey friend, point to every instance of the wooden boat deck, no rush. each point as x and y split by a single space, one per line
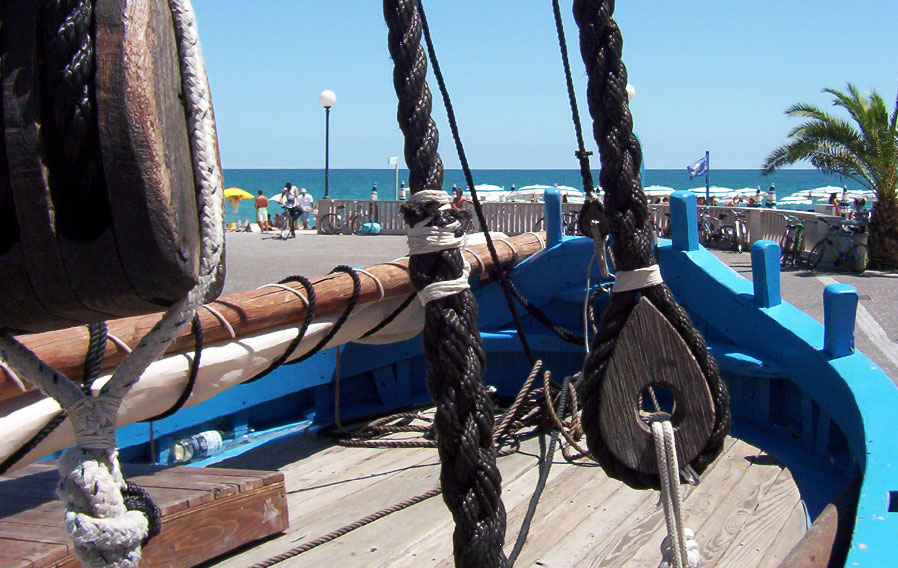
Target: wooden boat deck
746 511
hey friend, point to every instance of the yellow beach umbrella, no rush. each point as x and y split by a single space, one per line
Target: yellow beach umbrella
237 193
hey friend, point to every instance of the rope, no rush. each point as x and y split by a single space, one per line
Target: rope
196 329
581 154
679 547
105 531
626 209
463 423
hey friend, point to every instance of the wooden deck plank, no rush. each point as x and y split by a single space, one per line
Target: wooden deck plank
433 540
718 529
698 502
765 525
584 518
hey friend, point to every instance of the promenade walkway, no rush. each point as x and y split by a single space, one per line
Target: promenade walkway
254 260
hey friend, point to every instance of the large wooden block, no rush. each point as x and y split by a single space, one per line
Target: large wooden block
206 512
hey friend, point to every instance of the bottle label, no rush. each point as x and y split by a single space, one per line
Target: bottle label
209 442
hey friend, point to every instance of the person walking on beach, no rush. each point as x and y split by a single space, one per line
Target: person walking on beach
290 202
305 204
262 212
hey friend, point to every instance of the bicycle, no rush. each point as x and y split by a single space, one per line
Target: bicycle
569 224
727 236
792 241
848 240
339 221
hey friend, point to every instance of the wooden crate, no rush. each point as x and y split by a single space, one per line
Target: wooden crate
205 513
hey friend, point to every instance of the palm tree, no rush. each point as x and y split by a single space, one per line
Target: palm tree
865 151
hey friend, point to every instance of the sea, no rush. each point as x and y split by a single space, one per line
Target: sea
357 183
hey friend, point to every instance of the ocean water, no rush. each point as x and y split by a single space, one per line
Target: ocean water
357 183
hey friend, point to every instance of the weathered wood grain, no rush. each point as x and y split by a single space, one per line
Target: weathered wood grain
632 368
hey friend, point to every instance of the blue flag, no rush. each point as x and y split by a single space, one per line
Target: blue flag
699 168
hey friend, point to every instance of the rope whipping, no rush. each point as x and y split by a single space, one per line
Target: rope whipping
469 476
626 209
104 530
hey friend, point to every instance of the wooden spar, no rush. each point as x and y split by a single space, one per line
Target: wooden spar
252 311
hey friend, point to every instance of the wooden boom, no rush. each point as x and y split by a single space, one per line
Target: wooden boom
253 311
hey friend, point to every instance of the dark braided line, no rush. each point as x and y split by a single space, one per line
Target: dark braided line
581 153
601 46
469 476
69 114
393 315
540 316
96 352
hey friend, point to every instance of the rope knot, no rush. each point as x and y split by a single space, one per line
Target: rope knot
104 530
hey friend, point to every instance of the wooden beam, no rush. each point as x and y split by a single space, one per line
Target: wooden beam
252 312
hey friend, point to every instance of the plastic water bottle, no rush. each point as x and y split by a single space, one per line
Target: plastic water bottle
197 447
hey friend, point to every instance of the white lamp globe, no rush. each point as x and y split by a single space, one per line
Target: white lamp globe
327 99
631 92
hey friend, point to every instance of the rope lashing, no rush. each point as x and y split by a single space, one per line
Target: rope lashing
463 423
626 214
679 548
639 279
105 531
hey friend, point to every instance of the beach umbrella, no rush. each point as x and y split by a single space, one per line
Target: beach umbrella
235 194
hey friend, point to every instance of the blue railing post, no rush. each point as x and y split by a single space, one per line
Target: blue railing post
765 273
683 221
553 217
839 311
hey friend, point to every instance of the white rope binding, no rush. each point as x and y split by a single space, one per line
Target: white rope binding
679 548
423 239
104 531
626 280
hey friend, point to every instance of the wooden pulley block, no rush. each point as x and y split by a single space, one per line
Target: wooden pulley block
650 353
122 237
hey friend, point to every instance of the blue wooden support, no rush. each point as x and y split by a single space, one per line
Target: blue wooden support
839 310
765 273
683 220
553 217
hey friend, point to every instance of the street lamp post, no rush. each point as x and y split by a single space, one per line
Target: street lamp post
327 100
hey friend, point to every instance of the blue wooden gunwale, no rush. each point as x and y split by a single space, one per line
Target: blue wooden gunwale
799 389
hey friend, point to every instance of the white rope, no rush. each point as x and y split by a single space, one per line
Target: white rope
477 258
539 238
287 288
380 287
118 342
424 239
514 251
679 548
626 280
104 531
221 319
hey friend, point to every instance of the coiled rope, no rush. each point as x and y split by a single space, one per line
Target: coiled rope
625 207
469 477
104 530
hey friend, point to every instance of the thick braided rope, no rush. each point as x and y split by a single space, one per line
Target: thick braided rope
105 532
625 205
69 115
469 476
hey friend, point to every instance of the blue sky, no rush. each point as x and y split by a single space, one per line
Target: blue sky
709 75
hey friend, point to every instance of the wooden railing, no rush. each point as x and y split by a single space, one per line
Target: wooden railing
516 218
509 218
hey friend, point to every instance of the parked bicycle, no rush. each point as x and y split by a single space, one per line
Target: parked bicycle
792 241
848 242
569 224
339 221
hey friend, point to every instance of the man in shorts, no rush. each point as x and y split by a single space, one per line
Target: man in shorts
290 202
306 203
262 212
